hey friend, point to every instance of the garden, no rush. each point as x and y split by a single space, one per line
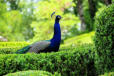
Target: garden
86 37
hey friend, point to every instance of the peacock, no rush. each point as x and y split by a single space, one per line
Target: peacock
45 45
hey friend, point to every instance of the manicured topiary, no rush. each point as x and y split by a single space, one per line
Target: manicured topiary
104 38
77 61
32 73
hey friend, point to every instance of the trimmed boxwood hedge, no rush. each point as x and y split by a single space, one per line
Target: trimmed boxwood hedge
75 62
12 50
11 47
32 73
8 50
13 44
104 39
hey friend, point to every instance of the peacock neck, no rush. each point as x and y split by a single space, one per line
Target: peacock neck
57 34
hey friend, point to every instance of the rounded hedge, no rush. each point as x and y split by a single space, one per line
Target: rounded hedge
32 73
77 61
104 38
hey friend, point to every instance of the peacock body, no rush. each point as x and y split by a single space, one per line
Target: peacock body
45 45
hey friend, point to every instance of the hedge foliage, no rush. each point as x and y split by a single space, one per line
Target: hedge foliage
77 61
8 50
12 50
13 44
104 39
32 73
11 47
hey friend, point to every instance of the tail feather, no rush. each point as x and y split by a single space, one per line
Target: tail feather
23 50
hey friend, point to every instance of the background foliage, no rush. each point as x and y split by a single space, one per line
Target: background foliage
29 20
44 23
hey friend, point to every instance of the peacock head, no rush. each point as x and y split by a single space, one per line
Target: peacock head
58 17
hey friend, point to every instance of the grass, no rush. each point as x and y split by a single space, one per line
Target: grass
86 38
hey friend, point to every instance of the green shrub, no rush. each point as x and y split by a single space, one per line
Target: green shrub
8 50
104 39
12 50
11 47
108 74
77 61
12 44
32 73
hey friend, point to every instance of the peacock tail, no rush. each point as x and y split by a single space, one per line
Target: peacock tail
23 50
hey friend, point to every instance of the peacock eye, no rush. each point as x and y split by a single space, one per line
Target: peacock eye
59 17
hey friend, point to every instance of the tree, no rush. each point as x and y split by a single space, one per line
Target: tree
16 21
14 4
86 9
27 10
81 13
92 8
107 2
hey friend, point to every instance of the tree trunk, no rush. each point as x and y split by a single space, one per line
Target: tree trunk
92 11
92 8
107 2
81 14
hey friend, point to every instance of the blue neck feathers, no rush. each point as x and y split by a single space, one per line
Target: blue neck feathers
55 41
